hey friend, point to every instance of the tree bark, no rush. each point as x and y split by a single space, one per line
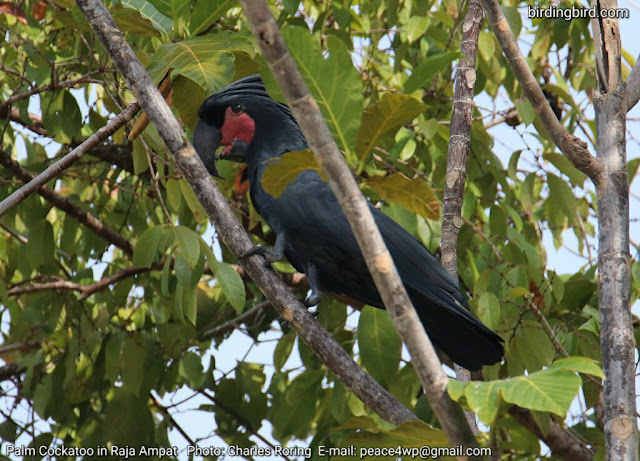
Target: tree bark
356 209
459 146
229 228
614 278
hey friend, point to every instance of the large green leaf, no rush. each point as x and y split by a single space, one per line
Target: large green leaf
379 120
334 83
206 60
413 194
283 171
550 390
206 13
379 344
484 399
148 11
171 8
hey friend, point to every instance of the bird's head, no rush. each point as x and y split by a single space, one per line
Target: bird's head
239 117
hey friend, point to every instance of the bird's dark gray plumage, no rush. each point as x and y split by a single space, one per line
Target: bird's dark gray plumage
314 235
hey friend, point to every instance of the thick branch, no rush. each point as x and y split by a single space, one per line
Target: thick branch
71 209
459 145
65 162
356 209
229 229
614 280
574 148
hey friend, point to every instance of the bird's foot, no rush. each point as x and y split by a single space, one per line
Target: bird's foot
306 303
313 299
270 255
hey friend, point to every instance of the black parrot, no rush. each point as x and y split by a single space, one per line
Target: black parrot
312 230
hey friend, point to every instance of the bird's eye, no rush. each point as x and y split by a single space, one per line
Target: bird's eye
237 108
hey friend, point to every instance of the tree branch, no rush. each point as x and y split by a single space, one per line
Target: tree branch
356 209
614 280
229 229
562 444
71 209
633 86
65 162
234 323
574 148
459 146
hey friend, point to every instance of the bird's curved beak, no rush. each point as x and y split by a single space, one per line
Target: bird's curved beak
206 139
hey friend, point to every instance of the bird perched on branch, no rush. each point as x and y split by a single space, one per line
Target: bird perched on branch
312 231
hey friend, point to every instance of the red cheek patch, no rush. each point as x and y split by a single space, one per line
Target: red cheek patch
237 126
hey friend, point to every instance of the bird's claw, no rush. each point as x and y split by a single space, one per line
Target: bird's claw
270 255
313 299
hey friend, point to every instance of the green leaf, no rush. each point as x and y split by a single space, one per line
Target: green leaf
140 161
187 97
562 195
423 74
379 120
206 13
484 399
563 164
412 434
231 284
513 18
189 243
148 11
455 389
526 111
334 83
174 196
206 60
486 45
413 194
632 169
182 269
190 368
293 413
283 349
283 171
516 292
498 221
133 358
186 302
379 344
146 248
416 28
550 390
489 310
580 364
192 202
170 8
61 115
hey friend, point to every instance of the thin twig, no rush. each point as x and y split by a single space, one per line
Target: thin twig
65 162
